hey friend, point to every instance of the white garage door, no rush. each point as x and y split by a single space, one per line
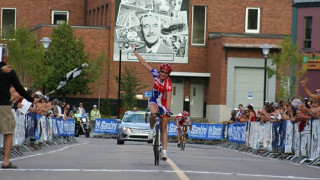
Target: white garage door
248 87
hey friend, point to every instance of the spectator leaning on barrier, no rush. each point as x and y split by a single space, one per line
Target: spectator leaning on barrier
7 78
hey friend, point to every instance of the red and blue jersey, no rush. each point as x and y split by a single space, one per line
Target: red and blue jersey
160 90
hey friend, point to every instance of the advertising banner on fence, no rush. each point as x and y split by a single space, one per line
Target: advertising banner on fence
236 133
109 126
199 131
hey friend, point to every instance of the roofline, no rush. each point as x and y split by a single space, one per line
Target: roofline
213 35
190 74
80 27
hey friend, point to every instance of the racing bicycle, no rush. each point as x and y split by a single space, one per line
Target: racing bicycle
184 136
157 147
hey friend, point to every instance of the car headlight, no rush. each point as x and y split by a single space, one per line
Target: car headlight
126 129
83 120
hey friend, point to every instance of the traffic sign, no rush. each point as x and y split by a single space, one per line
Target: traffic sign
148 94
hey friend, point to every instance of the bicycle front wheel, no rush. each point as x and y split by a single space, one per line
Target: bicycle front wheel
156 147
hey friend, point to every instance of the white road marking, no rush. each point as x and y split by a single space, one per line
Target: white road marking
161 171
50 152
181 175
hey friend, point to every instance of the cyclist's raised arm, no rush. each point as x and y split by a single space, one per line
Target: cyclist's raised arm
140 58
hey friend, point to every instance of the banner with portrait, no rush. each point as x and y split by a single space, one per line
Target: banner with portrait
159 28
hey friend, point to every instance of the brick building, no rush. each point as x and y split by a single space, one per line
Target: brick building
216 54
306 15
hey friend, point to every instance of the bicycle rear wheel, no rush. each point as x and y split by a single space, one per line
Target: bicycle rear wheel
156 147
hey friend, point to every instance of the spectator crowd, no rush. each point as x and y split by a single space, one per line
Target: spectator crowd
295 110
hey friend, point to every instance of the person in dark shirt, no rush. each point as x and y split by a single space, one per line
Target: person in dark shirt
8 78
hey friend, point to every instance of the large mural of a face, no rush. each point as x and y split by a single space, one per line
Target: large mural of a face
159 28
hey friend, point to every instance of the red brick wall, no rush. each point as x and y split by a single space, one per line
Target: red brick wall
31 13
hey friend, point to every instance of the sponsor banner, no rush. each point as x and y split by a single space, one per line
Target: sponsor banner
289 137
172 129
315 139
19 132
267 140
236 132
200 131
65 127
109 126
68 127
305 139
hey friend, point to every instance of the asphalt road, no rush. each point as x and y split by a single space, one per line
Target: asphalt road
95 159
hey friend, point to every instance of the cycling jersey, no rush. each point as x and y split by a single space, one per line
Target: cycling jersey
159 91
179 118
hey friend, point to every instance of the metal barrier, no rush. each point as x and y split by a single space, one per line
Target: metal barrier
33 132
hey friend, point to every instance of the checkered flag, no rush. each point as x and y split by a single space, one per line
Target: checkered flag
69 76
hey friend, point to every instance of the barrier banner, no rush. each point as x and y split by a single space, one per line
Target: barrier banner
289 137
283 128
38 127
236 132
30 125
275 135
215 131
172 129
267 140
315 140
68 127
49 128
109 126
59 126
305 139
55 132
19 131
43 126
296 139
199 131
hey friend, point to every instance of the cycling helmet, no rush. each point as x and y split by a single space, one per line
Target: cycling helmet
166 67
185 113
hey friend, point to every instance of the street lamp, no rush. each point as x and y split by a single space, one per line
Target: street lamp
45 42
121 41
265 50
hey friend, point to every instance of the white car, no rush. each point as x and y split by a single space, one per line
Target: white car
133 127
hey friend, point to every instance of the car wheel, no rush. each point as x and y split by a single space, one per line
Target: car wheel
119 141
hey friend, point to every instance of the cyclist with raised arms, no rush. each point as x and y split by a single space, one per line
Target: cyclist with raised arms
182 119
160 100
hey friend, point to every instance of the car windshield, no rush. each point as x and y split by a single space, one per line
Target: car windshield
134 117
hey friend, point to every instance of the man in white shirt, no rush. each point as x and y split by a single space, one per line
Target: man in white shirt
81 110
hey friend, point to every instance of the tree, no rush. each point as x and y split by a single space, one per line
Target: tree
27 57
288 63
130 86
64 54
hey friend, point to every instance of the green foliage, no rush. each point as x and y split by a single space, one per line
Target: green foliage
105 108
27 57
288 62
64 54
130 86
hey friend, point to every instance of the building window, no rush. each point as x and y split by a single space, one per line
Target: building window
252 20
307 32
199 25
174 90
60 17
8 21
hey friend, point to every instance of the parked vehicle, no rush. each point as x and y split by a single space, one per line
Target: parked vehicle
133 127
82 126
